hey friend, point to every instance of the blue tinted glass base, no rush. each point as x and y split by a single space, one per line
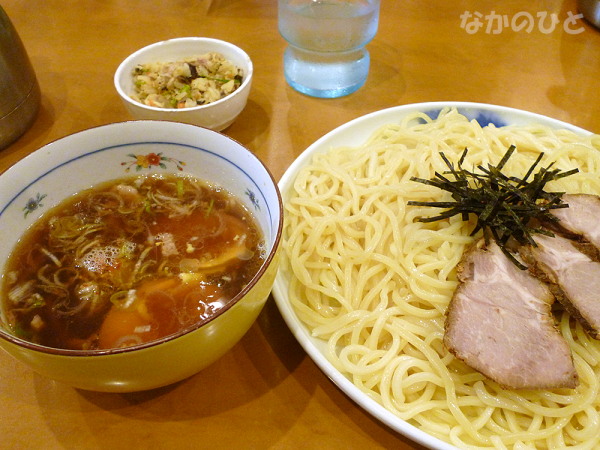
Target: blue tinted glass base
326 75
324 93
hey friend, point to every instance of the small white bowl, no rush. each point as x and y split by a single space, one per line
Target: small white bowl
217 115
85 159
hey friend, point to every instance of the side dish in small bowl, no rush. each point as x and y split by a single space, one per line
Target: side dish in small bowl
141 252
201 81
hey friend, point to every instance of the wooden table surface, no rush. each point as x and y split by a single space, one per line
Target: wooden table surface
266 393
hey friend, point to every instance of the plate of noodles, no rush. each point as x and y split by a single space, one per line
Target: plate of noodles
364 286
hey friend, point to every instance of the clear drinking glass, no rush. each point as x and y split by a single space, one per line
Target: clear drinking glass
327 57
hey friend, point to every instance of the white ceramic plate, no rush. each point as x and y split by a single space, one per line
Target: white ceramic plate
352 134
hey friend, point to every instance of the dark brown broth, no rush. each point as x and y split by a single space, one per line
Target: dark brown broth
121 264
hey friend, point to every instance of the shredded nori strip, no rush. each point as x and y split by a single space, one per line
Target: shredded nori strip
504 206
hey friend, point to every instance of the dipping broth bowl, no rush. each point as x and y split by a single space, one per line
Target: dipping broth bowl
85 159
217 115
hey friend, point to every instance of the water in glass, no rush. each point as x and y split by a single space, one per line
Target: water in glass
327 56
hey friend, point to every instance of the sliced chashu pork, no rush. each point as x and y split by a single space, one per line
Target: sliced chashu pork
499 322
581 218
572 275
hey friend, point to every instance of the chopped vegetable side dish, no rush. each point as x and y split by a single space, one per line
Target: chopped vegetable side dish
185 83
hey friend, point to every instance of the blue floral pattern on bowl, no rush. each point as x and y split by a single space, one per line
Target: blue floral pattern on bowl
33 204
252 196
140 161
484 118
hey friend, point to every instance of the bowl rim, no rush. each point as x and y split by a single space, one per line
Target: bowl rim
201 323
121 68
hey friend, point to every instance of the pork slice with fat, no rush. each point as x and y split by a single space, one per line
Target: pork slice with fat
572 275
499 322
581 218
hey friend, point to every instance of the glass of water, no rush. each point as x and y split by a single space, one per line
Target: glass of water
326 56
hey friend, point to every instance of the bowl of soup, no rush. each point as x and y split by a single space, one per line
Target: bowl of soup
140 252
196 80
